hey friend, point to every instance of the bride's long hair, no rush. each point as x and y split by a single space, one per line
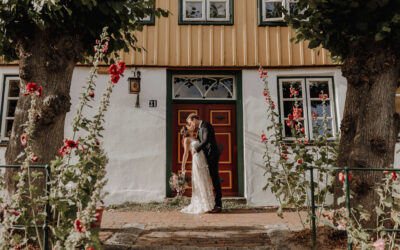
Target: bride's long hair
185 133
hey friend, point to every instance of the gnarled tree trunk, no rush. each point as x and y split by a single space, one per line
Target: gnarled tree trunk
47 59
370 123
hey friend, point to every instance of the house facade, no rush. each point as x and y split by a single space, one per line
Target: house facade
203 58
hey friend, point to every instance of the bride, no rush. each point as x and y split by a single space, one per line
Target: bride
202 191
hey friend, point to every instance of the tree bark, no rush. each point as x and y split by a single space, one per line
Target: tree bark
47 59
370 123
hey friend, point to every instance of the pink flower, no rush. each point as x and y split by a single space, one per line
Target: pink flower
105 48
23 140
323 97
34 158
79 226
341 225
305 141
385 171
341 176
302 130
16 213
289 123
379 244
91 94
63 150
300 161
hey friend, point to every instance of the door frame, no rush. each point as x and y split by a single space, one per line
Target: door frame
239 120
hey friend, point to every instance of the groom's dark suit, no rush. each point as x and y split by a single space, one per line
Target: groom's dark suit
209 146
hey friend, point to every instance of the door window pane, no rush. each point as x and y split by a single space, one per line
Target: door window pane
316 106
203 87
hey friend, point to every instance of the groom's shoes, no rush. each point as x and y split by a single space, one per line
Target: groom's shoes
215 210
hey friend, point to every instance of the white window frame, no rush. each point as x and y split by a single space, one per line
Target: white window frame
306 101
228 14
285 3
234 94
264 11
4 109
203 16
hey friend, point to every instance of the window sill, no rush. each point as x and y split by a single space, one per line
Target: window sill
273 24
226 23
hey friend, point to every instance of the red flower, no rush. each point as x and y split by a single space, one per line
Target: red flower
97 143
15 213
34 158
83 148
23 140
341 176
122 67
302 130
91 93
113 69
71 143
289 123
314 115
394 175
385 172
323 97
79 226
349 176
283 156
97 216
32 87
263 138
63 150
90 248
267 99
296 127
305 141
297 112
291 117
300 161
265 93
39 92
115 78
102 202
272 105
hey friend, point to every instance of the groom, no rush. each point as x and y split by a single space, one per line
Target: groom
209 146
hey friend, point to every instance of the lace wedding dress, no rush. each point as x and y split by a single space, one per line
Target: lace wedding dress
202 190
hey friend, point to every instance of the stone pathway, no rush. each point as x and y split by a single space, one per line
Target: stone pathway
238 229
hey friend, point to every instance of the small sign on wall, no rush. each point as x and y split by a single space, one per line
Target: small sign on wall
152 103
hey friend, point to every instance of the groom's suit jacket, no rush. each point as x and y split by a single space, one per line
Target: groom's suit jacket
208 144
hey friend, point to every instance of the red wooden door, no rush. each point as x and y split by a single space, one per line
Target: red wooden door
223 119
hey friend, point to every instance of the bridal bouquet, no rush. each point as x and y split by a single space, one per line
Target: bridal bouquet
178 183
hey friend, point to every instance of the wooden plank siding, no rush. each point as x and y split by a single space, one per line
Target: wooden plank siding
244 44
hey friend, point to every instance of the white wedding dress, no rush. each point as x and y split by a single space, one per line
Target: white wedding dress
202 190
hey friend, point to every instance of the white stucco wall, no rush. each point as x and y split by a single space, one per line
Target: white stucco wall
255 122
134 139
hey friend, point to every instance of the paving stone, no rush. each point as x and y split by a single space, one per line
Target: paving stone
126 236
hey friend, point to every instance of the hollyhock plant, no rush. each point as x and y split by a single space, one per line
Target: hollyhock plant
394 176
79 226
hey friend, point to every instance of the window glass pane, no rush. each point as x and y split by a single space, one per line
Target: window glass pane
194 9
13 89
272 9
186 88
321 129
295 85
218 9
288 130
12 104
222 89
203 87
288 107
317 86
316 106
8 129
293 7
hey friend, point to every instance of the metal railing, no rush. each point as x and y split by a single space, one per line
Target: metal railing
348 206
45 226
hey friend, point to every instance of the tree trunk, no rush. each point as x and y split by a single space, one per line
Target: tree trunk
370 123
47 59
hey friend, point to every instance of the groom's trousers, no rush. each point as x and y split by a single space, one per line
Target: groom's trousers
213 167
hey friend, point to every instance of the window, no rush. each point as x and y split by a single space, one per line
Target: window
10 99
270 13
208 87
206 12
309 89
148 19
